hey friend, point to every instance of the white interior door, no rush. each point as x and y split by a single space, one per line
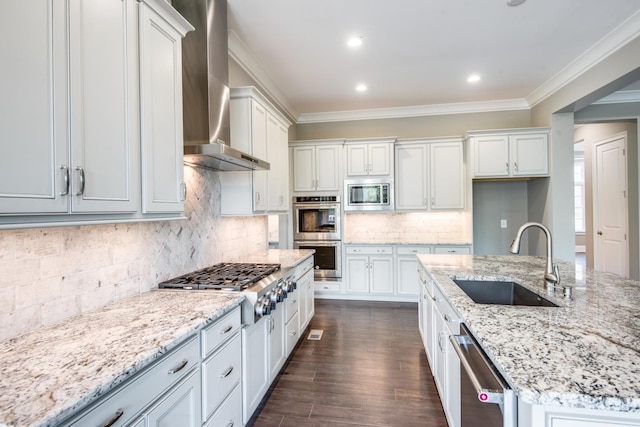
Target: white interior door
610 206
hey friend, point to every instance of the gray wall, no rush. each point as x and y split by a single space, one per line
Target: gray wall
493 201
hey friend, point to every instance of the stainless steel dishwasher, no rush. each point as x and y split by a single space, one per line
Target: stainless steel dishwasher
485 398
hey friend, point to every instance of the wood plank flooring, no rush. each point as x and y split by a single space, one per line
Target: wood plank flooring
369 369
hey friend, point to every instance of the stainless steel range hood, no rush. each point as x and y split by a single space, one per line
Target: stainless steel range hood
205 90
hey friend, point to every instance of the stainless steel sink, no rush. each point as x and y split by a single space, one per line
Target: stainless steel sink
502 293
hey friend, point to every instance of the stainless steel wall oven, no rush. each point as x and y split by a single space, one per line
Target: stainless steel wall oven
317 225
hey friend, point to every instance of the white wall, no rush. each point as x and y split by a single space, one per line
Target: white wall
50 274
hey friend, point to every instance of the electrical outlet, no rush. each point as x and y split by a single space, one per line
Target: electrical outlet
503 223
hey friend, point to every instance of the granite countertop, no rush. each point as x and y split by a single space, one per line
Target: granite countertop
583 354
287 258
50 372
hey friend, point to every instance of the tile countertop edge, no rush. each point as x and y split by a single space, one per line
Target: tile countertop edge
72 401
443 267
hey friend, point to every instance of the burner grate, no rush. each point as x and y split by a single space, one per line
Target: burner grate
227 276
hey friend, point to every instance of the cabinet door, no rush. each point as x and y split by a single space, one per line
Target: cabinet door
309 301
104 113
357 273
33 105
326 168
408 283
304 168
259 150
411 177
163 188
490 156
181 407
255 366
529 154
380 159
357 160
278 157
277 344
381 274
447 187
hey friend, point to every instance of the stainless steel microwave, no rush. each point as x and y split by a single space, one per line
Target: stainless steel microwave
368 194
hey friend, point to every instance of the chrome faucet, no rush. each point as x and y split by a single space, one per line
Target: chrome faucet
551 274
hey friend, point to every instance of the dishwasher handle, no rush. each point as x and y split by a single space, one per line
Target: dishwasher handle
485 394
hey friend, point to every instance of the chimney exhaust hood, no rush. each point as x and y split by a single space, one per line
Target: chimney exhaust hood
205 90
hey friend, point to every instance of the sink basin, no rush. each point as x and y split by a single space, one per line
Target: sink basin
502 293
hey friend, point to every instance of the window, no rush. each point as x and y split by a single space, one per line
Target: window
578 191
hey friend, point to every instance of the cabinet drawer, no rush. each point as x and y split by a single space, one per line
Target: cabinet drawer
451 318
369 250
223 329
230 412
143 390
291 304
303 267
452 250
326 287
413 250
292 333
220 374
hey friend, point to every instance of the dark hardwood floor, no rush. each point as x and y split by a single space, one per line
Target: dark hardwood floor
369 369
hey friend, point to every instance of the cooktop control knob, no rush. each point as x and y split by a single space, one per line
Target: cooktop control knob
263 308
291 285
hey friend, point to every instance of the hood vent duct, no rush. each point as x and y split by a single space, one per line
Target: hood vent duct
205 90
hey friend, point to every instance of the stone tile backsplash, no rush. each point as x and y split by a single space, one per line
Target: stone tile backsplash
409 227
50 274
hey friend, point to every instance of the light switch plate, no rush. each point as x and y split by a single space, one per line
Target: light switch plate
503 223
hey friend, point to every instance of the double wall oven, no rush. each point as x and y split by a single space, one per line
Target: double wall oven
316 225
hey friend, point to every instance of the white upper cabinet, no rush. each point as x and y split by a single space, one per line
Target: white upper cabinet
72 108
161 33
104 132
34 154
510 153
316 166
369 157
430 174
257 128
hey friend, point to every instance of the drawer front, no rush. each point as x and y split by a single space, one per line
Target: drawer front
220 374
451 318
223 329
293 333
413 250
452 250
230 412
303 267
326 287
143 390
292 303
369 250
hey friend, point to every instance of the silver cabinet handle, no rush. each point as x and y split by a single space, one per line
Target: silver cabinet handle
183 191
507 167
515 166
119 413
294 333
448 318
227 372
226 330
65 177
82 182
179 368
231 424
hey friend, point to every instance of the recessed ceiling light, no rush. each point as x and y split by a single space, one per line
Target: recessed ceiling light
515 2
473 78
355 41
361 87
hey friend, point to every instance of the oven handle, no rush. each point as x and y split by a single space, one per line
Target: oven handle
485 395
303 206
317 242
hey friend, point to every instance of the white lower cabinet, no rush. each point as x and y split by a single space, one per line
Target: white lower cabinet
230 412
255 366
277 344
369 269
306 288
181 407
407 281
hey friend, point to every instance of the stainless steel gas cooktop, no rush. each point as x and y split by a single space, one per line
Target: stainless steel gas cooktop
226 276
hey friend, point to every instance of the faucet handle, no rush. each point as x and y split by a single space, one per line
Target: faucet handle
556 272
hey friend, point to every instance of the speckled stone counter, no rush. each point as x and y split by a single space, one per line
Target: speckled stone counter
287 258
583 354
47 374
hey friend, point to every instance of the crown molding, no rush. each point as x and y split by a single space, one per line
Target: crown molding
415 111
616 39
243 56
620 97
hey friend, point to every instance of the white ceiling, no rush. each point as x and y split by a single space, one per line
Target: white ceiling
419 53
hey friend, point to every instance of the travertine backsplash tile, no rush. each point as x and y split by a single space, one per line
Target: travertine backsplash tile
411 227
50 274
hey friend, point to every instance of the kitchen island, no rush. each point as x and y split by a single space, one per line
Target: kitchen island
579 361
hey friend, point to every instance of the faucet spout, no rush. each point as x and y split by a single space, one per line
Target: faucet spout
551 274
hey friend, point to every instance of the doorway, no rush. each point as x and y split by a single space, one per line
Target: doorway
610 207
